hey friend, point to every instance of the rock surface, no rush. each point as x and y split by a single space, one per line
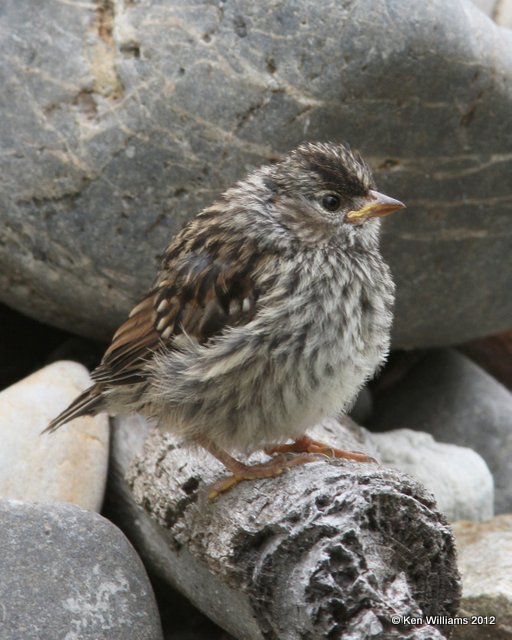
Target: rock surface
485 561
457 476
450 397
69 573
325 550
67 466
121 119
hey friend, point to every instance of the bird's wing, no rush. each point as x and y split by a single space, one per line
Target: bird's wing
199 293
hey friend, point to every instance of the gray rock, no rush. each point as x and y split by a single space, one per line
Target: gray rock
66 572
121 119
448 396
457 476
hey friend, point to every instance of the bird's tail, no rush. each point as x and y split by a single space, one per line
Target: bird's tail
87 403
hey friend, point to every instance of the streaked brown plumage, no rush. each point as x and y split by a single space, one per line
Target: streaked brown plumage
270 310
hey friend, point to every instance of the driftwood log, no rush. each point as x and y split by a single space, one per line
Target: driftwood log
331 549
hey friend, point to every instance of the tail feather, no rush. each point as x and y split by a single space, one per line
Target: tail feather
87 403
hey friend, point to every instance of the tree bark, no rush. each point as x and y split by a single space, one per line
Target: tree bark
331 549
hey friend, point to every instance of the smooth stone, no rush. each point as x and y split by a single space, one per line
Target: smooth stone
484 553
450 397
69 465
121 120
68 573
457 476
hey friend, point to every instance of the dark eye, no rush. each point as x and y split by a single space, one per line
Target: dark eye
331 201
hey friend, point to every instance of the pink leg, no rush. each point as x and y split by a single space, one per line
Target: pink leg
308 445
240 471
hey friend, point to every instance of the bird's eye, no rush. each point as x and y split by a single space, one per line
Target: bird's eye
331 201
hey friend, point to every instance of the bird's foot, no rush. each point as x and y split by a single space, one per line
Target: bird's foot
271 469
241 471
308 445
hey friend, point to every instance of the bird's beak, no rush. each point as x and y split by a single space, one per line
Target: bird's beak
377 204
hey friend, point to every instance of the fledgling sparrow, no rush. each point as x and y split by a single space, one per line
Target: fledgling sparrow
270 310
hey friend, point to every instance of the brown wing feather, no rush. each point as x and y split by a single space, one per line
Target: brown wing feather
200 293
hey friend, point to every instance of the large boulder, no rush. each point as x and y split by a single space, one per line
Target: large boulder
120 120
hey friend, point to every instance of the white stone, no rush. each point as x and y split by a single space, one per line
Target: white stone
484 553
69 465
457 476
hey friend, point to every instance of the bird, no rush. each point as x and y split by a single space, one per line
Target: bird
270 310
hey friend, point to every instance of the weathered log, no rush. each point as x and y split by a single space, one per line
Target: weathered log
330 549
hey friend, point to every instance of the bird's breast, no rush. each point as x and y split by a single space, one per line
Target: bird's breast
337 329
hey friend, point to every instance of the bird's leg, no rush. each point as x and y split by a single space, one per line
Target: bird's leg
308 445
241 471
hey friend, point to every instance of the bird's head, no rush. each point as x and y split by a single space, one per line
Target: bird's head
317 192
321 189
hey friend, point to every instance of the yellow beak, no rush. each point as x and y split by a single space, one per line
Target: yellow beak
378 205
